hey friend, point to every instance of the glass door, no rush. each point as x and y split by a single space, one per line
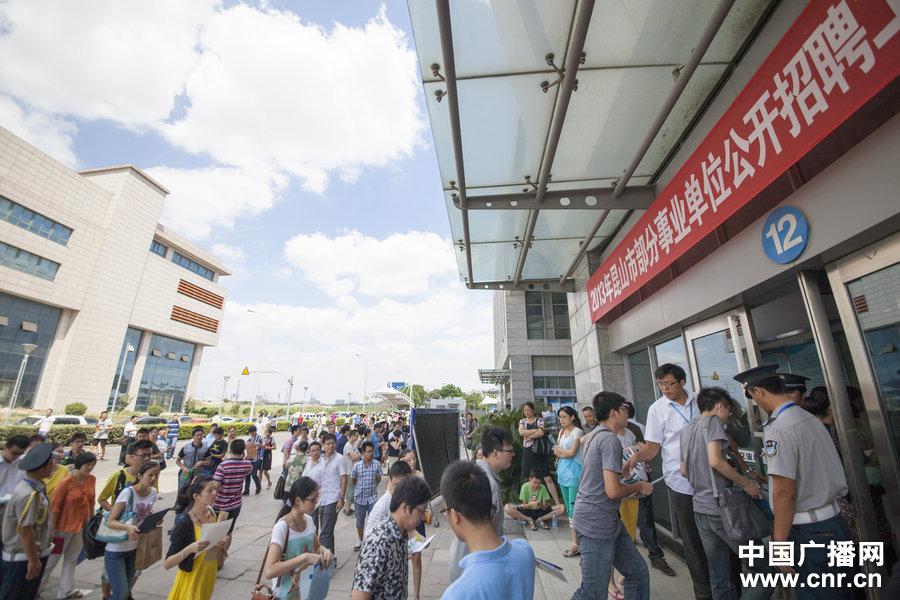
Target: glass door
866 287
718 349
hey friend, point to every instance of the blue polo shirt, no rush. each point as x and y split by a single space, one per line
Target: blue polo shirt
505 572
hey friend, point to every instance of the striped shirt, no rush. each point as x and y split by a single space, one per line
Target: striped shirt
366 476
230 473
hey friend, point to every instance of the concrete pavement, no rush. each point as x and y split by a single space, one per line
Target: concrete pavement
237 577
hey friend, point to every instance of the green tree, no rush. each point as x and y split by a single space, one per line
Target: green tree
235 409
155 410
473 400
419 396
189 405
76 408
246 411
122 402
450 391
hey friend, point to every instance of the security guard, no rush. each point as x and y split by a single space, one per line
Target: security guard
805 480
795 386
26 528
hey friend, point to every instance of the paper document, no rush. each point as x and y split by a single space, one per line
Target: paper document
214 532
549 567
654 482
417 544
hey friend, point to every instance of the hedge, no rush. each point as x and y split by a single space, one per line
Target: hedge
63 433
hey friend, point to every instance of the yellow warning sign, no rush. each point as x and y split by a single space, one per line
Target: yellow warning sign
246 371
715 376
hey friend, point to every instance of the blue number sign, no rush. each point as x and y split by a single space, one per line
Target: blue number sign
785 234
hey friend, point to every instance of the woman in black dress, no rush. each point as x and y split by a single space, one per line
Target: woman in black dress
531 428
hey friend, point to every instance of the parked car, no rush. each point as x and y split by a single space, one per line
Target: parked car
58 420
226 420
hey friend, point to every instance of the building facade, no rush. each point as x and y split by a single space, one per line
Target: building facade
532 342
110 299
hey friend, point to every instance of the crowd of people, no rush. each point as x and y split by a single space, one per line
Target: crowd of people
603 485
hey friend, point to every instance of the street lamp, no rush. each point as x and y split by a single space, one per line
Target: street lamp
29 348
128 348
222 399
365 380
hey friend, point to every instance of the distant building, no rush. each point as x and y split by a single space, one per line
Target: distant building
532 341
89 276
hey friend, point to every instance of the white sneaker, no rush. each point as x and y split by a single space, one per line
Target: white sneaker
357 546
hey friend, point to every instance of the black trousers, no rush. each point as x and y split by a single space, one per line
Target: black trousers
694 555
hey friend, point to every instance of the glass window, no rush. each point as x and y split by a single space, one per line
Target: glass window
22 260
164 381
26 219
673 351
133 337
158 248
547 316
12 336
190 265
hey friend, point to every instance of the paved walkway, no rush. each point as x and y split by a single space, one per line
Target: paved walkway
251 537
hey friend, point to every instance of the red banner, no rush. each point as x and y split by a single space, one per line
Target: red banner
834 58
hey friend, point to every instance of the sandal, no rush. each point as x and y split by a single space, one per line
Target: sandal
569 553
532 526
543 525
617 595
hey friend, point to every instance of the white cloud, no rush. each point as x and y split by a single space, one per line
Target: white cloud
100 59
272 90
214 197
400 265
442 338
51 134
261 92
229 254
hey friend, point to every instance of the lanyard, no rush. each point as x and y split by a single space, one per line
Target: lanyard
783 408
681 414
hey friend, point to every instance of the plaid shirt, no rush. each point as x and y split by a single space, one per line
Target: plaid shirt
366 490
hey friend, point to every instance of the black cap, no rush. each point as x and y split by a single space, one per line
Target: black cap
794 382
756 375
37 457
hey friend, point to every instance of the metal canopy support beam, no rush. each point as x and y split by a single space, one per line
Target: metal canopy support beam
634 198
579 35
528 285
446 32
706 38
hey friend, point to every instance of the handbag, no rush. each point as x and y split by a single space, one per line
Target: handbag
279 489
92 546
116 536
262 591
149 550
541 446
742 518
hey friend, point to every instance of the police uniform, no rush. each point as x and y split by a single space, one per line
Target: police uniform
797 446
28 506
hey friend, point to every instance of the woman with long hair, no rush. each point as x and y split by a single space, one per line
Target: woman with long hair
196 576
568 464
267 449
295 545
531 428
120 556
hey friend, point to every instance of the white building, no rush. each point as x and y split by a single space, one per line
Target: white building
88 275
532 342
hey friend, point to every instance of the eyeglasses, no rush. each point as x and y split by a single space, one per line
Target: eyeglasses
313 500
511 450
142 456
666 384
422 509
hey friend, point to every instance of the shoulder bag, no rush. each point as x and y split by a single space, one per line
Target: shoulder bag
279 489
93 547
741 517
116 536
262 591
540 446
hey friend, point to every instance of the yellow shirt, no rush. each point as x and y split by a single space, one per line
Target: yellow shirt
54 480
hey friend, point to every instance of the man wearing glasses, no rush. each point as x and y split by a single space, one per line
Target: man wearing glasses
497 447
665 419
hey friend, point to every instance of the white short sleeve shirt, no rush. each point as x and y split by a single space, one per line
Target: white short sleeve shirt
665 420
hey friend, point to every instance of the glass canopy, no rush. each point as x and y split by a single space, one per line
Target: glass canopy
509 91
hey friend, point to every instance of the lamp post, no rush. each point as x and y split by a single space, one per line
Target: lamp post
290 393
222 399
365 379
112 410
29 348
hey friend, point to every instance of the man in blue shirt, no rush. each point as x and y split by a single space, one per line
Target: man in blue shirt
495 567
172 428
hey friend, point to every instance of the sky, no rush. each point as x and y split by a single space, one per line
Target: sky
294 140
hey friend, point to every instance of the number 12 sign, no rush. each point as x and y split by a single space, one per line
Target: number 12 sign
785 235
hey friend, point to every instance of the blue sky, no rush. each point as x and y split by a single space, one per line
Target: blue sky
294 139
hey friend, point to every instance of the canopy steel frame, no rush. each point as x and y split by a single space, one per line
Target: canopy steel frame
634 198
706 38
529 285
